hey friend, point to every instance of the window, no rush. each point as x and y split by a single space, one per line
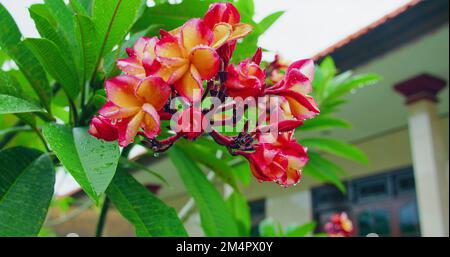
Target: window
384 204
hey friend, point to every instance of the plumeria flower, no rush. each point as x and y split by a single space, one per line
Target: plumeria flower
278 69
278 158
133 104
103 128
296 87
190 123
224 19
188 57
339 225
141 60
247 78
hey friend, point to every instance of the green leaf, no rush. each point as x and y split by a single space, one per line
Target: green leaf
113 20
268 21
10 37
63 16
170 16
215 217
337 148
324 170
243 173
52 59
357 81
301 231
27 180
88 39
80 7
11 104
44 24
209 159
267 228
129 164
92 162
246 8
325 73
149 215
241 212
324 123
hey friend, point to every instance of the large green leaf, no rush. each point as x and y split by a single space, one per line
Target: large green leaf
12 104
215 217
325 72
149 215
10 37
324 170
336 147
355 82
324 123
241 212
12 99
27 180
88 39
52 59
113 20
268 21
268 228
301 231
47 28
170 16
209 159
92 162
129 164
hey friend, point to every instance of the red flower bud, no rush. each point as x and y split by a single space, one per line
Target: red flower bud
190 123
102 128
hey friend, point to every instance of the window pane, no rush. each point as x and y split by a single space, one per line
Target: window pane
409 219
374 221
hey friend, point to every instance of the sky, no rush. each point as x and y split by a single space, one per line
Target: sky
306 28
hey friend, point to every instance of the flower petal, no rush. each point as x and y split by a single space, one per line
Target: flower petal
241 30
168 47
303 107
222 32
221 12
306 67
120 90
206 60
154 91
151 122
194 32
112 111
128 128
140 46
188 83
131 66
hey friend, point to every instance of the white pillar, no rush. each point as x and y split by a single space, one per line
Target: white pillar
428 153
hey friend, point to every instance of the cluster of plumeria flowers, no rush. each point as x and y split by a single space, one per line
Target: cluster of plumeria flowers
189 66
339 225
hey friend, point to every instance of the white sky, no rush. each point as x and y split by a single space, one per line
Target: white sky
307 28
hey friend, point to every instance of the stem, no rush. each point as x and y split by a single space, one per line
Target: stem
73 108
221 139
39 133
102 218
